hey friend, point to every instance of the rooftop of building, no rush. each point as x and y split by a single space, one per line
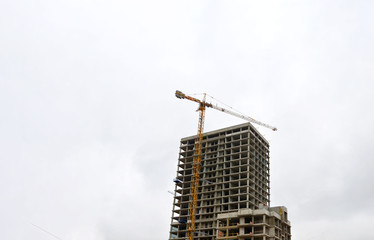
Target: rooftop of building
228 129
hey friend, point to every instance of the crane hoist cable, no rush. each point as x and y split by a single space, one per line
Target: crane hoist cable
196 165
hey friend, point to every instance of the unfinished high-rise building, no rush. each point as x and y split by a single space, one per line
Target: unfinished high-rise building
234 188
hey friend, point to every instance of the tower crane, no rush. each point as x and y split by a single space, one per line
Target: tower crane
198 150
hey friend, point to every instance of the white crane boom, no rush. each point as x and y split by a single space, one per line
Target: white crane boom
241 116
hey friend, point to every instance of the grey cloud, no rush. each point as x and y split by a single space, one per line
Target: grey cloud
90 127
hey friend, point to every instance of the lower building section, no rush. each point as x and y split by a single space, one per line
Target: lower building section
261 224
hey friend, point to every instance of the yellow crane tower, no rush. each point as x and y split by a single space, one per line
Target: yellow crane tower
197 154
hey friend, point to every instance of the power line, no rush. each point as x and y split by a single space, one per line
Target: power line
46 231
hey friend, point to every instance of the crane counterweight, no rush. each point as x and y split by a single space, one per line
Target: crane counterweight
179 94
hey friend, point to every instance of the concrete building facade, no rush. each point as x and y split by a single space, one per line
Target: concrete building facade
234 177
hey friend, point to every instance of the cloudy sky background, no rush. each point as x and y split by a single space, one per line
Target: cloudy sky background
90 127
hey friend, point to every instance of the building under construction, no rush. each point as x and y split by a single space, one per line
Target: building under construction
233 200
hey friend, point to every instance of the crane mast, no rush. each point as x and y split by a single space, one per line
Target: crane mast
198 152
196 171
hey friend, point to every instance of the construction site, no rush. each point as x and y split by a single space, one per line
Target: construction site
222 185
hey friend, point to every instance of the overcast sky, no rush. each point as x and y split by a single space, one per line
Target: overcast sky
90 126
